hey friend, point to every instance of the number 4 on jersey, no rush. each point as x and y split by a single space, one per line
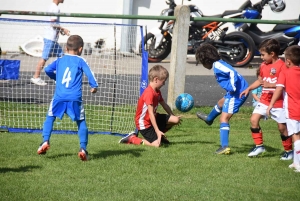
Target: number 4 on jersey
67 77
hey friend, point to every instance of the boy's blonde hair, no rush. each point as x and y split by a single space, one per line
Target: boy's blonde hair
158 71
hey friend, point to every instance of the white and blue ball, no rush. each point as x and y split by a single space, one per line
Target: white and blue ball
184 102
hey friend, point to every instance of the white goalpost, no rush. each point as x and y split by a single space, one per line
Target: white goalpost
108 48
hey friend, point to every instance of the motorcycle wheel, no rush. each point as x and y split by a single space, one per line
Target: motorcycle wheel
161 52
239 55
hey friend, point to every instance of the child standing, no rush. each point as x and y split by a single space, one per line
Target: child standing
149 123
256 93
288 81
229 79
269 72
50 42
68 71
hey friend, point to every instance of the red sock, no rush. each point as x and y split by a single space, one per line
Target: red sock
136 140
258 138
287 143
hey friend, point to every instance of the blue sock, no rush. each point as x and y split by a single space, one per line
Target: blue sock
47 128
82 133
216 111
224 134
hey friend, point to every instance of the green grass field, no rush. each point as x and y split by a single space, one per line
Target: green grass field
187 169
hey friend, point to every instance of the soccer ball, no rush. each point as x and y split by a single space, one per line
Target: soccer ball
184 102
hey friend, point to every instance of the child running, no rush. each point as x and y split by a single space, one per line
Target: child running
229 79
269 71
149 123
68 71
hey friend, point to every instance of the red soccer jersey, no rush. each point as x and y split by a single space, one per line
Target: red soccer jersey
270 73
289 79
148 97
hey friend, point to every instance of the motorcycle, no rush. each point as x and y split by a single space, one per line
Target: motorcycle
236 48
287 35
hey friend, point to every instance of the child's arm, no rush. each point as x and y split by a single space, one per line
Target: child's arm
254 85
91 78
254 95
50 70
276 95
166 108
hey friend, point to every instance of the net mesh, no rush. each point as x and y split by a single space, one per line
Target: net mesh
108 51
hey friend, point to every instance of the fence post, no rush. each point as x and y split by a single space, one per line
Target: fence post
178 54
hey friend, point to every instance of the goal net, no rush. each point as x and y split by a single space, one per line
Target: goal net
108 49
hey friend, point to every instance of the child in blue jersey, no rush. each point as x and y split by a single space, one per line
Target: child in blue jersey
229 79
68 71
256 93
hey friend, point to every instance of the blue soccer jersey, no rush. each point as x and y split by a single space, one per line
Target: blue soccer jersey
67 71
229 79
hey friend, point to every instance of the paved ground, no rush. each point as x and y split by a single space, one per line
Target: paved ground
201 84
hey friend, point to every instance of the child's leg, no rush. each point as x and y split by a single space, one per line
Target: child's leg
216 111
296 139
257 134
82 133
286 140
47 128
224 129
172 121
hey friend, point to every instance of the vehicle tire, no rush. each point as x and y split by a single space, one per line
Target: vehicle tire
161 52
239 55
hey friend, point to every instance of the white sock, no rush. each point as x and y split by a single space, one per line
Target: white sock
297 152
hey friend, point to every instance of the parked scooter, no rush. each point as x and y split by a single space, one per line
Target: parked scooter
287 35
236 48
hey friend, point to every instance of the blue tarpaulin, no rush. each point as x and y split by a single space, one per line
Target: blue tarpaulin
9 69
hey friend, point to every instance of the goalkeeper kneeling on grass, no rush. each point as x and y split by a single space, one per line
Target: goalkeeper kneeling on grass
149 123
68 71
229 79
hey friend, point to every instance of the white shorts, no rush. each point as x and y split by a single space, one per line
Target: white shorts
293 126
278 114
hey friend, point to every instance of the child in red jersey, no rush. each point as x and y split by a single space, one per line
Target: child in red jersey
269 72
288 82
149 123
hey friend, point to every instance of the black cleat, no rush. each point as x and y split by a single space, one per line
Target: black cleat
203 117
164 140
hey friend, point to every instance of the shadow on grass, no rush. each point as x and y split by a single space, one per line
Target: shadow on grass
192 142
106 154
19 169
270 151
60 155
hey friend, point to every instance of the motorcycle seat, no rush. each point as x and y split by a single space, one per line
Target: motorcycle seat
281 27
225 13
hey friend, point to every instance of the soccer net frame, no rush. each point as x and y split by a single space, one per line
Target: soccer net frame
108 48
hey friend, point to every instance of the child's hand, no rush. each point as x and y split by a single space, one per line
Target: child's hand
93 90
245 93
268 111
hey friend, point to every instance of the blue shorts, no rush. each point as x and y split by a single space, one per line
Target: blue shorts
74 109
232 104
51 48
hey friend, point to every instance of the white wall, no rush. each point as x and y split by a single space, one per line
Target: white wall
140 7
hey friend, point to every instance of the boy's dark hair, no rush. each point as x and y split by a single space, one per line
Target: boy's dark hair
270 45
74 42
293 53
257 71
207 54
158 71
